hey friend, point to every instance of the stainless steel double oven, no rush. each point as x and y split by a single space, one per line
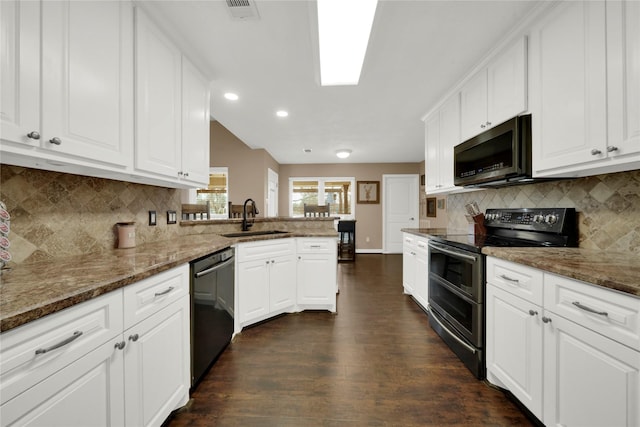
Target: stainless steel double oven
456 299
457 272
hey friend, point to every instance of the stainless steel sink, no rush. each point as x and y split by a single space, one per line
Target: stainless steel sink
255 233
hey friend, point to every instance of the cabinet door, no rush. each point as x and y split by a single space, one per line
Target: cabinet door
514 346
408 266
449 138
253 289
195 125
473 106
421 283
20 72
432 152
568 96
507 84
589 380
317 280
158 100
88 392
87 80
282 283
157 365
623 74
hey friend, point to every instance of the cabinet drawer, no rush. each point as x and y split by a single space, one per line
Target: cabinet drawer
520 280
265 249
408 239
607 312
32 352
150 295
316 245
422 245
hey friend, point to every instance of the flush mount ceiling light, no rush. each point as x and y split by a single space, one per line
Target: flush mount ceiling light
282 113
343 154
343 32
231 96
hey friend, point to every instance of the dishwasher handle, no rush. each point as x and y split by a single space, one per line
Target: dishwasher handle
214 268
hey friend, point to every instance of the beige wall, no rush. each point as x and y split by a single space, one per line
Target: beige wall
368 217
247 167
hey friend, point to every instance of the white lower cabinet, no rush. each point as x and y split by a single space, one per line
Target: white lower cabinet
284 276
266 280
415 268
316 272
157 365
94 364
569 353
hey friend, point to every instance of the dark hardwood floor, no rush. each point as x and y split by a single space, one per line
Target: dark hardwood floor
374 363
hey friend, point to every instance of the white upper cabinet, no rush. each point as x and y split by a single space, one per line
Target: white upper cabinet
568 96
442 133
84 70
195 125
586 89
623 81
20 73
172 109
496 93
158 100
87 80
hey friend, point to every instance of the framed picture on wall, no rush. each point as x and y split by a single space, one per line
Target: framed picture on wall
431 206
368 192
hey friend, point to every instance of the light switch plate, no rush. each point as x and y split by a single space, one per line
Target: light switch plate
152 218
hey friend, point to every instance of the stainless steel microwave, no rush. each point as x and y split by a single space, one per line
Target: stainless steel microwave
497 157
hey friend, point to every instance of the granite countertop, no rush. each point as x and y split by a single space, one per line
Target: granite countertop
614 270
33 290
619 271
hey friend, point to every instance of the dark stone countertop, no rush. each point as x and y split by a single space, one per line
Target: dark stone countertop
33 290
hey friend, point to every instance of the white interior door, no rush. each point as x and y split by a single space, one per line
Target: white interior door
272 198
401 200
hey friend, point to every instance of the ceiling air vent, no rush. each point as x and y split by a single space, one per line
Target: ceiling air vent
243 9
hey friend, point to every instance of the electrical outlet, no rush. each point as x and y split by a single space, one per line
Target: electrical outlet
172 217
152 218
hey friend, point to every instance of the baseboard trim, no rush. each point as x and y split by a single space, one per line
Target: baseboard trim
368 251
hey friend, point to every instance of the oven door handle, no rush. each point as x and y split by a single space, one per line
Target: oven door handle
454 336
453 253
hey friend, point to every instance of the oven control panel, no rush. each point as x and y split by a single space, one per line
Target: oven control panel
534 219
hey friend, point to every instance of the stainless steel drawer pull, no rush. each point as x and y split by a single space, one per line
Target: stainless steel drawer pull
509 279
159 294
62 343
589 309
316 246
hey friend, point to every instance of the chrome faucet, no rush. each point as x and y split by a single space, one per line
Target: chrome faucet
245 224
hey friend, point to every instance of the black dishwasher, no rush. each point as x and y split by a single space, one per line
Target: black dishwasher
212 302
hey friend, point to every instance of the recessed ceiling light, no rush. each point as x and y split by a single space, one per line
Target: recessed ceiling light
344 28
282 113
343 154
231 96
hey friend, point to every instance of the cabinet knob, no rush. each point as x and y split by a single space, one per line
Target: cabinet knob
180 173
612 148
34 135
120 345
595 152
55 140
488 123
134 337
185 174
546 319
533 312
482 126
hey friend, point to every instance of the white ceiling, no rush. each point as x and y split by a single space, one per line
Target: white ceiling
418 50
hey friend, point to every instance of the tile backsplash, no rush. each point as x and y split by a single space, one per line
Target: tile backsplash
57 214
608 206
